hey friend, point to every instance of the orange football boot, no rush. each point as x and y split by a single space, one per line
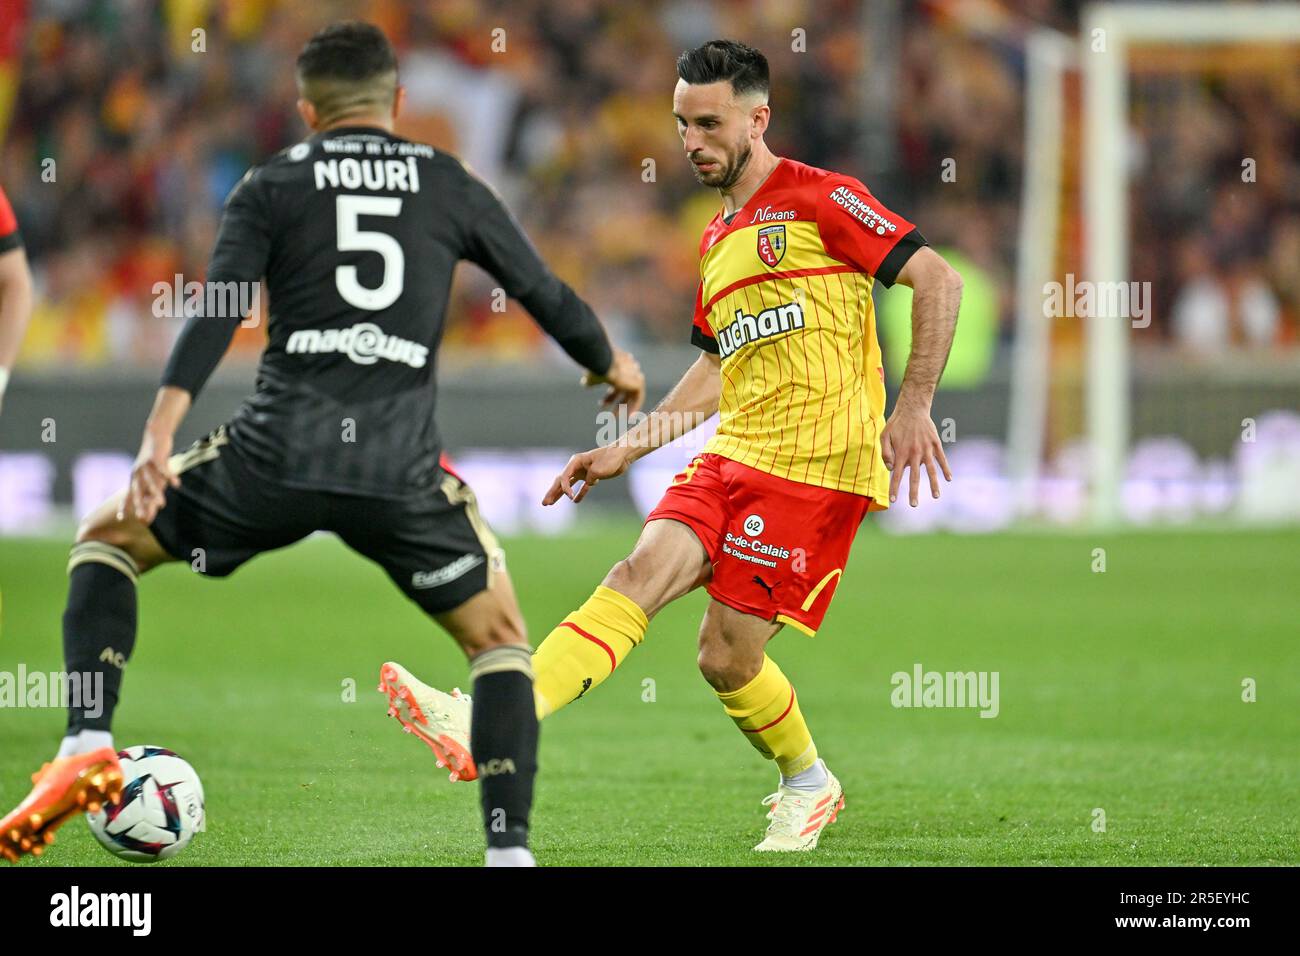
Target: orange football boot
80 783
441 720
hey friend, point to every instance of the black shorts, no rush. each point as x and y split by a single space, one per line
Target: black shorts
435 546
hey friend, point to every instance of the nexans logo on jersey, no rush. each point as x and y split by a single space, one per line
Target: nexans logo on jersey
364 343
767 324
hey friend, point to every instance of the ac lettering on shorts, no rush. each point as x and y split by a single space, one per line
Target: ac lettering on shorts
769 323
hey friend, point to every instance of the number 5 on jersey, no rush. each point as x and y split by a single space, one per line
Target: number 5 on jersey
353 239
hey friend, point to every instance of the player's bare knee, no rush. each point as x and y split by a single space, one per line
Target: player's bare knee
103 532
100 525
710 663
715 656
489 619
651 580
728 658
719 666
621 576
103 526
638 579
501 627
509 629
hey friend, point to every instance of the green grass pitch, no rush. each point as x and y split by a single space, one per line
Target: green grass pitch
1119 691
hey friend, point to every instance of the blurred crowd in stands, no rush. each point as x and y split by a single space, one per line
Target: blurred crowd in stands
133 119
1216 195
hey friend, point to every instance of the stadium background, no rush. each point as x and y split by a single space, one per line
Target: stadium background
126 125
1124 656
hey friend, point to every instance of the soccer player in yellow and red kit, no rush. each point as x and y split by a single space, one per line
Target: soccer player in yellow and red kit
764 517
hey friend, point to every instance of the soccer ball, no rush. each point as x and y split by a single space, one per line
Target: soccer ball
160 811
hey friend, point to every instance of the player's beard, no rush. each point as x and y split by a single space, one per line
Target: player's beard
727 176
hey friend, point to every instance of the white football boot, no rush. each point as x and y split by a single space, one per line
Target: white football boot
510 856
799 816
441 720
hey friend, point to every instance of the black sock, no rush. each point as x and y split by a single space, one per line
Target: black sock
503 729
98 631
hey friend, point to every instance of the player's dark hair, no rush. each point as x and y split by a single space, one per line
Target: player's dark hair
743 66
347 67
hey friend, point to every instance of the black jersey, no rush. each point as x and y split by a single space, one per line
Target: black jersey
358 233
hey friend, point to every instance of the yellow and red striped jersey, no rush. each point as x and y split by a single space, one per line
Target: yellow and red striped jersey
785 300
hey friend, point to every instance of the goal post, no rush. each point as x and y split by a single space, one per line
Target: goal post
1108 32
1074 382
1048 56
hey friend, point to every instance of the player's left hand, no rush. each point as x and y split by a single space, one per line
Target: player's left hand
150 477
910 440
626 382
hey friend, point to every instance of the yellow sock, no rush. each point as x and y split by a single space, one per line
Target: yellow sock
585 648
767 711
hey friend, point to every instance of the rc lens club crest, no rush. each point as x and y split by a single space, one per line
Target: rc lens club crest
771 244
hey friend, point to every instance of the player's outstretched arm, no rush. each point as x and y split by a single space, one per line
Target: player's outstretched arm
495 241
198 350
238 258
910 440
692 400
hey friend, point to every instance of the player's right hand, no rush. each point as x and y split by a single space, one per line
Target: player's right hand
625 379
146 493
588 467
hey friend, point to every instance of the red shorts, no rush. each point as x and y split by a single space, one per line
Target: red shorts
778 547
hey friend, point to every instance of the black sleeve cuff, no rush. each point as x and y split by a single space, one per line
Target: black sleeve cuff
903 250
12 241
702 341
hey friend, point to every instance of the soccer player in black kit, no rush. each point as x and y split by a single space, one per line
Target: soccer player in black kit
357 232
